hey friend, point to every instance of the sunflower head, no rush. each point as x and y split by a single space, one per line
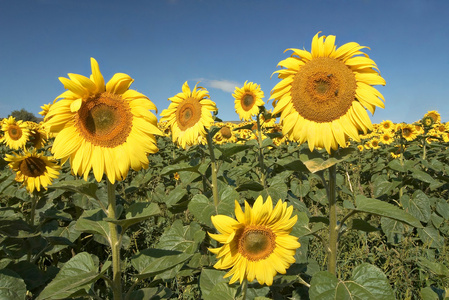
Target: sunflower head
427 122
408 132
324 95
247 101
45 108
435 115
33 169
257 244
16 133
189 115
107 128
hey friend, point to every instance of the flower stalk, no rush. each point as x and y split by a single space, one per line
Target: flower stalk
115 244
333 229
214 170
261 162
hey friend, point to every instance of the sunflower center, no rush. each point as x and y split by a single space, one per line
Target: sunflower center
247 102
226 132
323 90
257 242
406 132
105 120
188 113
14 131
32 167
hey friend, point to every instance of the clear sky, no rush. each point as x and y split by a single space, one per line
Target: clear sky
221 43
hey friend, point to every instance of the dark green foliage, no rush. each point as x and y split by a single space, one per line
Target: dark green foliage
24 115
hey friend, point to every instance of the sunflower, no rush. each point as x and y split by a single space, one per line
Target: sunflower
248 99
324 94
386 126
189 115
106 128
360 147
387 138
258 244
408 132
375 143
267 120
38 135
436 117
225 135
33 169
16 133
45 109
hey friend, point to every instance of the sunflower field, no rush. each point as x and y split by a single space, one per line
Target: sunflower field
307 200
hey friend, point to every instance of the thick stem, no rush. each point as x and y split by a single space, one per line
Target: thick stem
33 209
333 229
261 162
115 244
214 170
244 289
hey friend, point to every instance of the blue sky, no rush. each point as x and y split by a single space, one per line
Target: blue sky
163 43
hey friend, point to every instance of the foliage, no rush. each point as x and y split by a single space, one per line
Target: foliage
24 115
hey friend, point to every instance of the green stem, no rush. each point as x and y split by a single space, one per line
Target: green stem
33 209
244 289
401 160
261 162
115 244
214 170
333 229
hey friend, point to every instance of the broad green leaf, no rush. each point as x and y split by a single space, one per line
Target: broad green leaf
30 273
383 185
363 225
319 164
69 233
209 278
289 163
12 287
434 267
77 274
151 262
252 186
418 206
93 221
428 294
393 229
136 213
175 196
442 208
79 186
300 189
223 291
431 237
227 150
366 283
425 177
151 293
182 238
384 209
203 208
180 167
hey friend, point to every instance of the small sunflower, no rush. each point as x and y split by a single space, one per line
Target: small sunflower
258 244
408 132
33 169
386 126
45 109
225 135
248 99
375 143
267 120
17 133
435 115
107 128
387 138
360 147
324 94
189 115
38 135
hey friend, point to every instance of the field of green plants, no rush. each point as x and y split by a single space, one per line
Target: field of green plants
391 207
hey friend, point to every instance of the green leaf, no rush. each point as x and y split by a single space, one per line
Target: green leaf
203 208
393 229
434 267
363 225
79 186
425 177
319 164
151 293
367 282
93 221
136 213
384 209
431 237
418 206
182 238
77 274
428 294
292 164
251 185
150 262
175 196
227 150
383 185
209 278
180 167
442 208
12 287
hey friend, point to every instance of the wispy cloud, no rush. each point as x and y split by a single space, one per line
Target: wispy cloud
224 85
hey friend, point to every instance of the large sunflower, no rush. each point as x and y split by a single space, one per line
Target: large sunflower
189 115
33 169
107 128
324 94
258 244
247 100
16 133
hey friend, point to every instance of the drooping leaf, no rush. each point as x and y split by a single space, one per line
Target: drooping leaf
79 186
12 287
418 206
431 237
137 212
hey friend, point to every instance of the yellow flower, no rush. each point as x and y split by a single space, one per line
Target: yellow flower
324 94
360 147
225 135
436 117
33 169
408 132
38 135
247 100
104 127
189 115
387 126
375 143
387 138
16 133
258 244
45 109
267 122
